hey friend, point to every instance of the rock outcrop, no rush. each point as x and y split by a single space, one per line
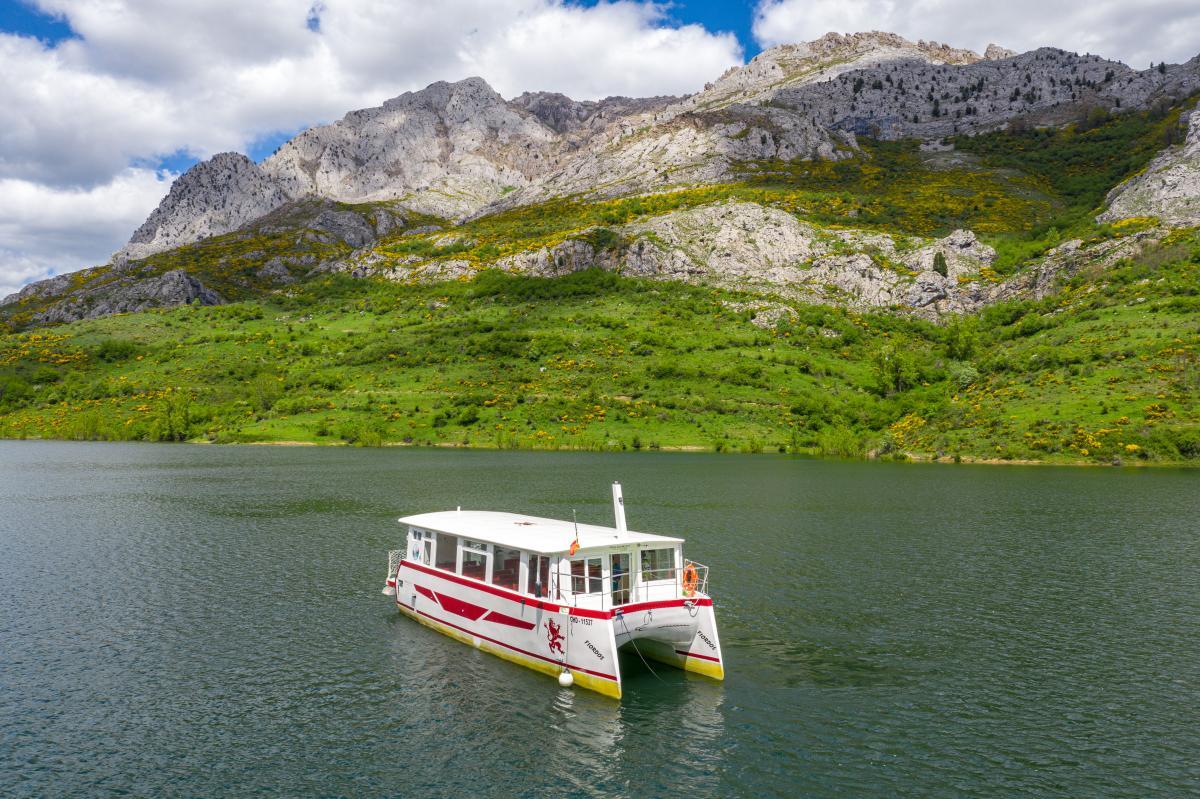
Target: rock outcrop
746 246
1168 189
129 292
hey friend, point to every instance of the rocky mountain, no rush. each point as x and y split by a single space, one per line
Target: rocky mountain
453 153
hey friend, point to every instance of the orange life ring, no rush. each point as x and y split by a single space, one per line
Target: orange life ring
690 579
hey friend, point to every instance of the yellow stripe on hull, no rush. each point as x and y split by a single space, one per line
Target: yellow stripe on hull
582 679
665 653
706 667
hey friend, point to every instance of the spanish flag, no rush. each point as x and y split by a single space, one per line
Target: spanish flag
574 544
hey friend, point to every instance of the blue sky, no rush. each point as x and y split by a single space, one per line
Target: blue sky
105 103
18 17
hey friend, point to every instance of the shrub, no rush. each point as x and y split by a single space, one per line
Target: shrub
114 349
13 391
367 433
840 442
963 375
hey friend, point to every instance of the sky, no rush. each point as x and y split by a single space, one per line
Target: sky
105 102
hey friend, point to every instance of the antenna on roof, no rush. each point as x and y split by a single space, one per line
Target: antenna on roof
619 507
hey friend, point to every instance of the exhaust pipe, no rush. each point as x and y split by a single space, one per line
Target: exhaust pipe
619 508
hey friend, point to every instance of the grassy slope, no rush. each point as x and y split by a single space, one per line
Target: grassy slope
598 361
1106 369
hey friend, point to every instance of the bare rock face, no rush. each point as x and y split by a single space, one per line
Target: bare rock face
1169 188
573 255
793 65
729 243
746 246
688 150
919 99
564 115
995 52
215 196
447 149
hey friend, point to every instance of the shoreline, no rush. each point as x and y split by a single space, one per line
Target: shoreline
914 458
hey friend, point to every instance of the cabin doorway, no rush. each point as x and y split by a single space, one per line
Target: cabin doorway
621 577
539 576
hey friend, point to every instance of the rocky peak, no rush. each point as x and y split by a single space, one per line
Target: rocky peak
995 52
467 95
213 197
447 149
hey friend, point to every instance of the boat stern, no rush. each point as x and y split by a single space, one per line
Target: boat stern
682 634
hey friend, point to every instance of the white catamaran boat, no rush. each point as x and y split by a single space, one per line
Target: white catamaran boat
557 597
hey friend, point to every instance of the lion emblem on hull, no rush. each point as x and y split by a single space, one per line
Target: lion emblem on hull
554 637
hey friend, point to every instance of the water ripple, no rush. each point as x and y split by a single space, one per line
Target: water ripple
207 622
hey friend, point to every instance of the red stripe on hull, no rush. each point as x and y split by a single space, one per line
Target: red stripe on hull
507 646
663 603
694 655
500 618
461 608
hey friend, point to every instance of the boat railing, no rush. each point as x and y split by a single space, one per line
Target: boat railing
394 558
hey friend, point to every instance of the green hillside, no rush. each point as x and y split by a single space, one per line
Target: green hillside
1107 368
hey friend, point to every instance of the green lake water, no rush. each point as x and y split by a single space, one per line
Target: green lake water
207 621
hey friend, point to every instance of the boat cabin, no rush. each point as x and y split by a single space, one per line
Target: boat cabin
532 556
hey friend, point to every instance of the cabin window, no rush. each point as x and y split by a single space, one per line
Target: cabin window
585 576
506 568
621 577
658 564
447 552
539 576
474 560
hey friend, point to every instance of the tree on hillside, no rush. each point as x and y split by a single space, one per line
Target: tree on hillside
939 263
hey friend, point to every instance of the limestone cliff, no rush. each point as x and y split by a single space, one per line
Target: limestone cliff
1168 189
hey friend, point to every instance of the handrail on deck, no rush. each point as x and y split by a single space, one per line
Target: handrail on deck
668 586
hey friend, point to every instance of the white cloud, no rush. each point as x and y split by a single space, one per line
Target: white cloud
46 231
146 79
1135 32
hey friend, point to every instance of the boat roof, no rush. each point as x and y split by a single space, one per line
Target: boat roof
530 533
